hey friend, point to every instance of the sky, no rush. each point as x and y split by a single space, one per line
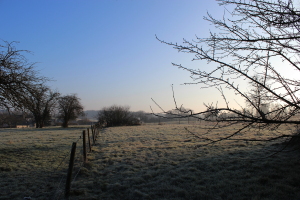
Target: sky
106 51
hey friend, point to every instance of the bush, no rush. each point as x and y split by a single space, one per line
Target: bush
117 116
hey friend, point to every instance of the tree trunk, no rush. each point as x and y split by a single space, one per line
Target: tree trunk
39 122
65 124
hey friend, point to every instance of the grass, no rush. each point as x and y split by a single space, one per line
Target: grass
32 161
147 162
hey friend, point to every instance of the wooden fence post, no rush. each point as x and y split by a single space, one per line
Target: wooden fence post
96 131
69 175
88 132
84 146
94 136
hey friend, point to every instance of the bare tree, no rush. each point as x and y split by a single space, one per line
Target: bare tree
258 44
40 101
21 88
117 116
16 74
69 108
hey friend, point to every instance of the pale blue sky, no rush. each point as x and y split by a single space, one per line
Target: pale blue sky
106 50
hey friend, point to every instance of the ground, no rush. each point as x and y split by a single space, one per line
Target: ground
144 162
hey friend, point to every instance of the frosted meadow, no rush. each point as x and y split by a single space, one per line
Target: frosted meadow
144 162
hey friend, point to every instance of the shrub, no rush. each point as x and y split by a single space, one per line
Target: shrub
117 116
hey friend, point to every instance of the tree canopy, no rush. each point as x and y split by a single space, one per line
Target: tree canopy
22 88
16 74
117 116
69 108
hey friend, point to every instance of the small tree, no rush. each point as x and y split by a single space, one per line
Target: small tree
39 100
116 116
69 108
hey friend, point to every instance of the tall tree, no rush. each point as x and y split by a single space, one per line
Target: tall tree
258 44
69 108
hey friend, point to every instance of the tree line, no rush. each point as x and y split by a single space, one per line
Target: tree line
116 115
23 92
22 89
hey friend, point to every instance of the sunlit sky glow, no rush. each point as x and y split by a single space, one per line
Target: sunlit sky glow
106 52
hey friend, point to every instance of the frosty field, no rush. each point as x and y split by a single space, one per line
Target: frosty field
145 162
33 161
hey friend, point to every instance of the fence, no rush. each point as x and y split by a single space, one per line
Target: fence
69 176
59 182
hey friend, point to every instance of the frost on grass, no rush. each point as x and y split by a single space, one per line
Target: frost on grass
34 161
147 162
165 162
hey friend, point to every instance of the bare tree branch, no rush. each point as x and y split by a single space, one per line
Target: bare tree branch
255 46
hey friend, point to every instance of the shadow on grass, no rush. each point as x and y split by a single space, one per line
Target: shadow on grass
33 171
235 175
